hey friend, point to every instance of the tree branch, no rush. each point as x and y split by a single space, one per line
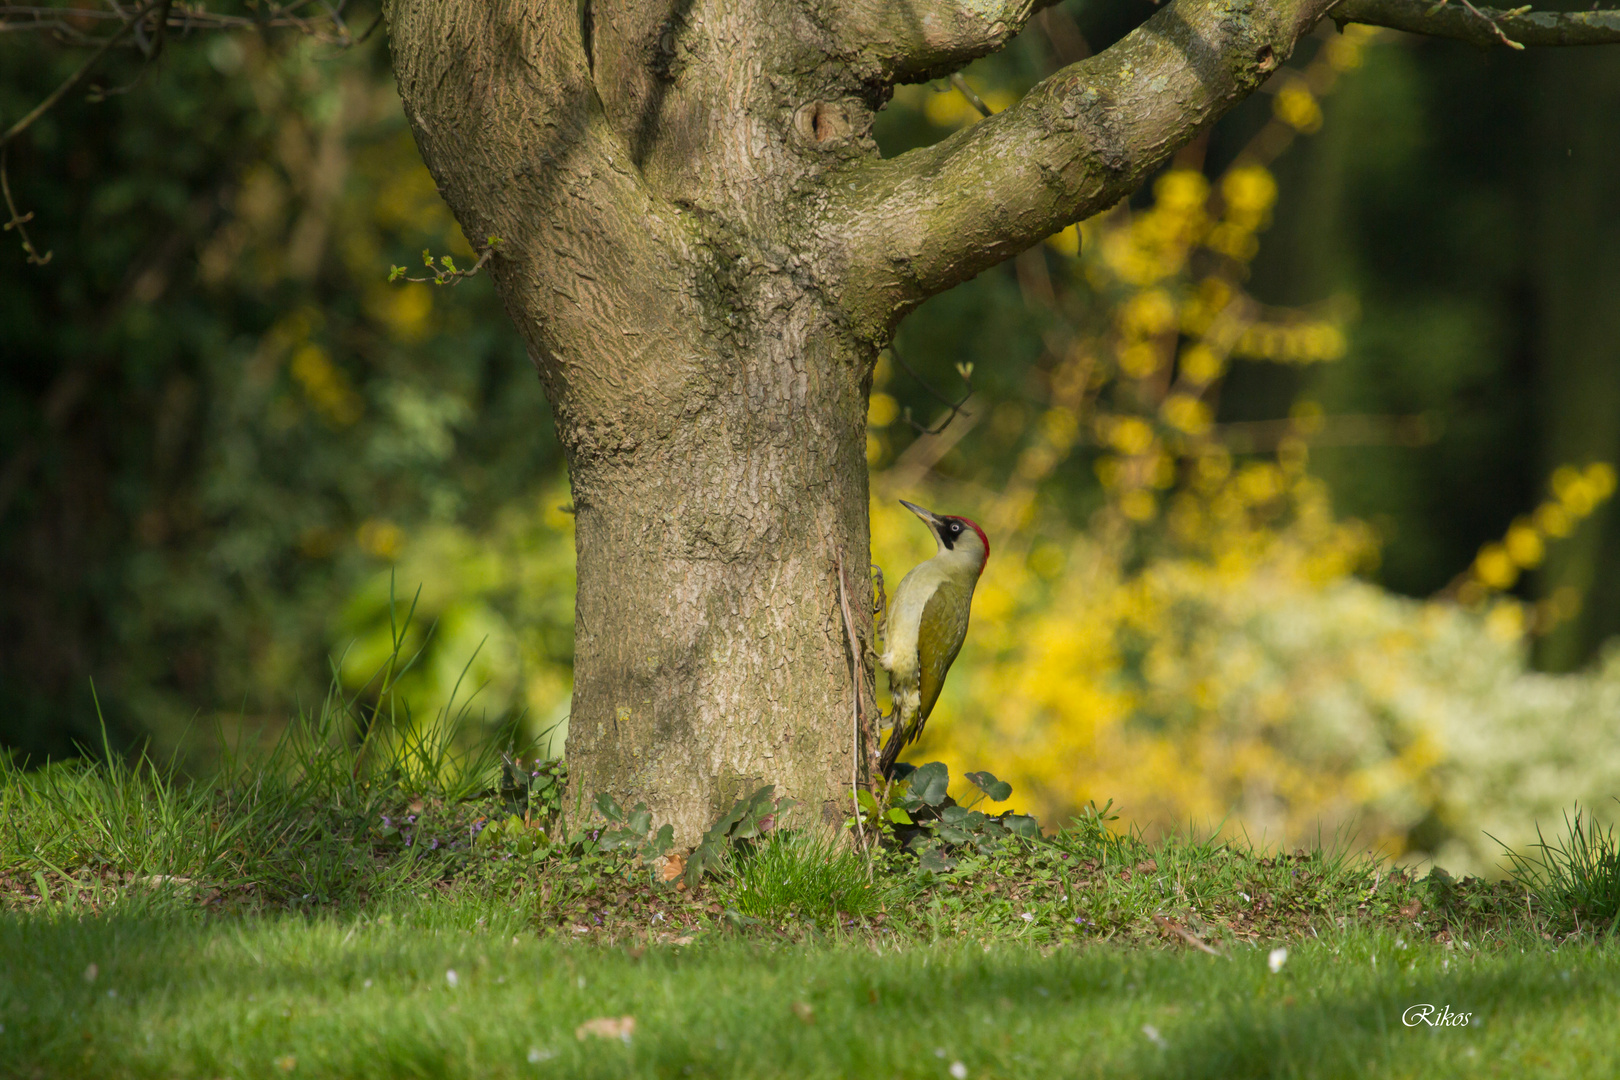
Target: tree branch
1077 143
74 79
1483 26
64 22
916 40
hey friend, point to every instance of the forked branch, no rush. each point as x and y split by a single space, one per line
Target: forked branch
917 224
1483 26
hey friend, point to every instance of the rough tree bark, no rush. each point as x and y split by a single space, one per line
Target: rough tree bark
705 253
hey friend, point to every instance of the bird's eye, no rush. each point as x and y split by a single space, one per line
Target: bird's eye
955 528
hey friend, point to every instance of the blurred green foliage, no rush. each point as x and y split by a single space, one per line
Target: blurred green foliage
218 421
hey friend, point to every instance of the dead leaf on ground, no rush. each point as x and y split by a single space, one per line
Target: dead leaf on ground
684 939
287 1064
607 1027
1147 866
804 1011
1412 908
674 866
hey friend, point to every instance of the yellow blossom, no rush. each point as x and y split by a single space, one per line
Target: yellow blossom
1148 314
1524 545
881 411
1131 435
1140 359
1494 567
1138 505
1249 189
1201 364
1551 520
1187 413
1297 107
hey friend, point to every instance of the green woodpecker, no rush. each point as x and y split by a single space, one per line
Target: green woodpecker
927 622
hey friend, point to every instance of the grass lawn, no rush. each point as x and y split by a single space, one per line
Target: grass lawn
437 990
321 914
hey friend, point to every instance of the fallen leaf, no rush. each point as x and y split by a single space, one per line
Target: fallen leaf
1147 866
607 1027
417 804
684 939
1412 908
674 866
804 1011
287 1064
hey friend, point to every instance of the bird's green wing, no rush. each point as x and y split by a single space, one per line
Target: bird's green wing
943 628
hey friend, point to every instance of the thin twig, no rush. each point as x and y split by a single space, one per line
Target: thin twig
16 220
1484 26
446 272
185 19
965 370
855 667
73 80
1173 927
1496 27
967 91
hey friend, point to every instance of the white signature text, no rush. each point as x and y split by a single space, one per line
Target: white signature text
1434 1016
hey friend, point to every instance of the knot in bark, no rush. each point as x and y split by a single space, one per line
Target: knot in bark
822 122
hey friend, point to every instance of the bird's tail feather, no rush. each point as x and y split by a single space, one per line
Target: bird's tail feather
899 738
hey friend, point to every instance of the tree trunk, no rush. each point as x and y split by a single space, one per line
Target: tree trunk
705 253
709 394
1577 278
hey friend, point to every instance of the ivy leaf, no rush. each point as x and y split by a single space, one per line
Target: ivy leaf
934 860
929 782
658 847
608 808
996 790
640 820
1022 825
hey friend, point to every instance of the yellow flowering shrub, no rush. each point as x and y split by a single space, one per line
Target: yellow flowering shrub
1202 651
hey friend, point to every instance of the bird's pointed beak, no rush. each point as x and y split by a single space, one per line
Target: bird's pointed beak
927 515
